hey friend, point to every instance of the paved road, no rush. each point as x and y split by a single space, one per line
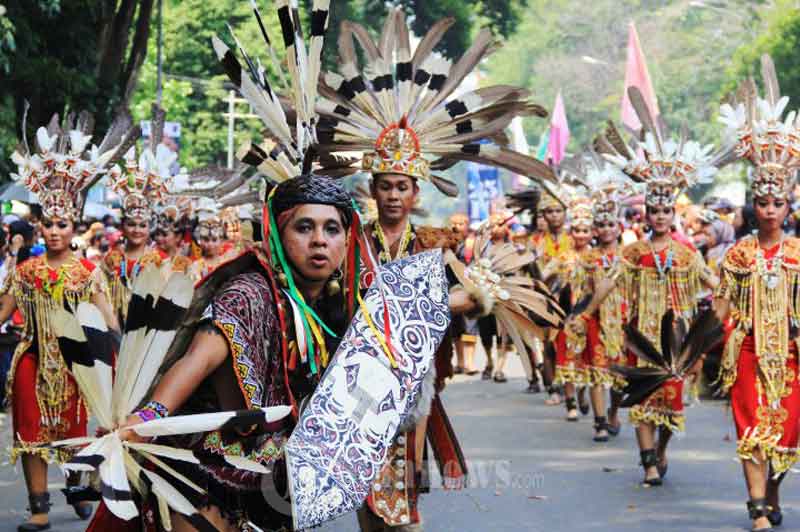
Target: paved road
532 471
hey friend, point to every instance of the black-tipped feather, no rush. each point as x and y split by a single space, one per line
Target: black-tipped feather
682 349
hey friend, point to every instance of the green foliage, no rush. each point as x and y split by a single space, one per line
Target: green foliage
780 39
583 54
195 93
67 56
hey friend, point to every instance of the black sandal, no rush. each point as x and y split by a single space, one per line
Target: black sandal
583 403
487 373
600 425
533 387
37 504
756 509
775 517
572 406
612 430
649 459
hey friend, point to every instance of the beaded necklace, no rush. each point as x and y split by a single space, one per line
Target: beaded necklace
609 264
123 269
769 269
553 247
385 254
53 281
662 269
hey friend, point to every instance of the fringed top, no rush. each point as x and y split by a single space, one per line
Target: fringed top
595 266
120 274
655 282
40 293
763 288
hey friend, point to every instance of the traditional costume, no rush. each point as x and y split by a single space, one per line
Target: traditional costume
602 343
46 404
565 262
760 360
141 185
670 279
396 111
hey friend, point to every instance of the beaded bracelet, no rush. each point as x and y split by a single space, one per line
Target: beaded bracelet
153 410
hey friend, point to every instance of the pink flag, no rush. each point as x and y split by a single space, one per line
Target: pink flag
636 75
559 133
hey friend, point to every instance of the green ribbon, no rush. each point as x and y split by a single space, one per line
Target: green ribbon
294 293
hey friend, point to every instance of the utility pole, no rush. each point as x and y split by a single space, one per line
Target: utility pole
159 59
231 115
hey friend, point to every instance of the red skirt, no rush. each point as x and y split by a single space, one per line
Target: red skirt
596 362
27 418
662 408
569 369
759 426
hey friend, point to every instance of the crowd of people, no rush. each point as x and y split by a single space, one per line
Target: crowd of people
297 373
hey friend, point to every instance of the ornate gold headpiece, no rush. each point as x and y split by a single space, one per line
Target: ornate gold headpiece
665 166
63 166
763 137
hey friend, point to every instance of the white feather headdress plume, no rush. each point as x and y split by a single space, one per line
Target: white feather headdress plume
62 167
291 122
142 182
605 185
666 166
154 314
760 133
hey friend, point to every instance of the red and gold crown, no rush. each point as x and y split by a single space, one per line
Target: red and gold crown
397 151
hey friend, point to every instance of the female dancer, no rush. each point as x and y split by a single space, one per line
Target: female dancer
760 294
568 355
659 273
141 186
45 402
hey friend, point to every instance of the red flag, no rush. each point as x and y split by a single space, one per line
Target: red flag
559 133
637 75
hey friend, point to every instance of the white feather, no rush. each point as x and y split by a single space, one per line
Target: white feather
176 425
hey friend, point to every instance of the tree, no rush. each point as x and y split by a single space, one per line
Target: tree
195 91
82 54
779 38
557 47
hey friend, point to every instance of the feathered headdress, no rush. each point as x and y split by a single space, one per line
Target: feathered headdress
665 166
231 224
209 223
770 142
142 183
579 208
287 154
292 121
399 110
63 166
605 184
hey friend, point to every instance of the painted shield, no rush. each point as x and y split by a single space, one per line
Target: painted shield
341 441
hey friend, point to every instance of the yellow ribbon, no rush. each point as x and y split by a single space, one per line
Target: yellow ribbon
375 330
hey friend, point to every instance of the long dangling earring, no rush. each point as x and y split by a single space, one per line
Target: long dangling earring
334 287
